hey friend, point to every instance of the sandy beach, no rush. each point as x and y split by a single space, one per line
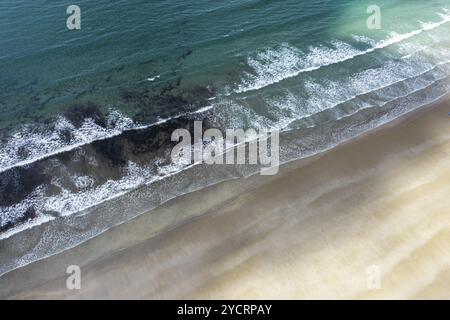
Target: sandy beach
376 206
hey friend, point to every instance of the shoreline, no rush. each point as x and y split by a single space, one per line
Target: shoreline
123 248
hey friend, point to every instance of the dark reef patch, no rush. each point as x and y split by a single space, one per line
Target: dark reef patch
112 150
16 184
108 159
101 160
78 113
166 100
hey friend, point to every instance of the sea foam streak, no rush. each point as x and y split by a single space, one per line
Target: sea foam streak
422 66
41 145
332 95
67 203
273 66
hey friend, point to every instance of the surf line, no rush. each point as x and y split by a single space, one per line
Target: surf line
393 39
114 133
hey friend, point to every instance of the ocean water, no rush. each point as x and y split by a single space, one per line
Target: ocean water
86 115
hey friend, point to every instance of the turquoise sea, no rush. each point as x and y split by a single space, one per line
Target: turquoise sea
86 115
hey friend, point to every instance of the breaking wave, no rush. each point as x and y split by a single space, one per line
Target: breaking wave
275 65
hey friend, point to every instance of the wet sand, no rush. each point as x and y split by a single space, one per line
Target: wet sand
369 219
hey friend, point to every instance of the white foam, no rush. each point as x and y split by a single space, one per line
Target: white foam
204 109
41 145
330 94
364 39
83 182
275 65
67 203
26 225
151 79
